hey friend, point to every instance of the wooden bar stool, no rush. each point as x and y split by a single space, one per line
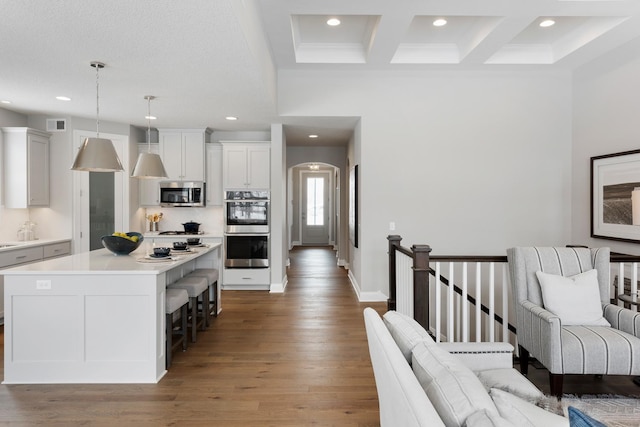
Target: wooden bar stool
212 275
196 287
176 299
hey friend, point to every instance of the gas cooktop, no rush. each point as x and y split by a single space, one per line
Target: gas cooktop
180 232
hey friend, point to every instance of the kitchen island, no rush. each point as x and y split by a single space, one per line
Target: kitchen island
92 317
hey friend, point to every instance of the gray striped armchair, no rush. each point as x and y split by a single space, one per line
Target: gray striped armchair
574 349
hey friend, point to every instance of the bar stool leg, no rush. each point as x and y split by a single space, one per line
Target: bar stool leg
205 309
194 318
169 339
184 314
215 298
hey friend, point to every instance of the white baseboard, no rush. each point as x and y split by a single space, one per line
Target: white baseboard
343 263
376 296
278 288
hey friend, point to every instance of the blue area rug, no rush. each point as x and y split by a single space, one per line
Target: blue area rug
614 411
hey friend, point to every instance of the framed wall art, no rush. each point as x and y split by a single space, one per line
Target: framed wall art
615 196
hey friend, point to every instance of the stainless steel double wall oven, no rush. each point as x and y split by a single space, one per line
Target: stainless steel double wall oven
246 238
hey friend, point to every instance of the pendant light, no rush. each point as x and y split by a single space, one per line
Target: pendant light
149 165
97 154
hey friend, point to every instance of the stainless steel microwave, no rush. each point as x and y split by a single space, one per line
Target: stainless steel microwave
182 193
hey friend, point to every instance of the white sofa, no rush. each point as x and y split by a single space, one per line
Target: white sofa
423 383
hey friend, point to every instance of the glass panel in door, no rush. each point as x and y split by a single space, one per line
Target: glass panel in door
101 207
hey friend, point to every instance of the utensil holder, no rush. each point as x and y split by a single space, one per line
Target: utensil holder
153 226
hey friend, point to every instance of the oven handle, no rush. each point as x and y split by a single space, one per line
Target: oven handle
246 234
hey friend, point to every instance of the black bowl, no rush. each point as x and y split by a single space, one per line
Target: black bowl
180 246
161 251
193 240
120 245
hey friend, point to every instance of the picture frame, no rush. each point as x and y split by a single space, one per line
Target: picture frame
353 205
615 206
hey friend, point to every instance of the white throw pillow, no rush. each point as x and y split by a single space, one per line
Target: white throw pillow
406 332
510 380
523 413
575 299
451 387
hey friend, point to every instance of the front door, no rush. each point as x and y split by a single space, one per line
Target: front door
315 209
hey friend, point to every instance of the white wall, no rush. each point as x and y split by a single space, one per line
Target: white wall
606 102
467 162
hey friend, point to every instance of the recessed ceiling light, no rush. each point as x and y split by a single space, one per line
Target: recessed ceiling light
4 101
333 22
150 117
440 22
313 136
547 23
231 118
63 98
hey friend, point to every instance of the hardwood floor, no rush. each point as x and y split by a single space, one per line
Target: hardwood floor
293 359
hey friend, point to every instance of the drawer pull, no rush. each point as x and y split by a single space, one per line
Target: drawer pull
21 256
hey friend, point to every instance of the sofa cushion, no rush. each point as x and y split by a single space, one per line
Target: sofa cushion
523 413
406 332
484 418
575 299
452 388
510 380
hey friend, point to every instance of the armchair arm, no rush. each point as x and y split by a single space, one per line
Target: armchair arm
623 319
479 356
539 331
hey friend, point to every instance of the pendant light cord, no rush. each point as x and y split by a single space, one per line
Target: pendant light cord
97 66
149 124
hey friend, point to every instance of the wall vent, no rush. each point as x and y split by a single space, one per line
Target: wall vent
56 125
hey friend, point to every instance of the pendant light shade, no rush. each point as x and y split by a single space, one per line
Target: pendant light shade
97 154
149 165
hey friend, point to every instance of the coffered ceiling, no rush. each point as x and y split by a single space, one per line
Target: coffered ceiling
205 60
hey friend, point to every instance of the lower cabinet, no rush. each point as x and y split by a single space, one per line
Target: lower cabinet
247 278
25 255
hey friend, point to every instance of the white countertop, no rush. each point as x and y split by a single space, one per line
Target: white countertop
102 261
19 244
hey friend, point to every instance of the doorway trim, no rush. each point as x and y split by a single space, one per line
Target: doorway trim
330 190
80 227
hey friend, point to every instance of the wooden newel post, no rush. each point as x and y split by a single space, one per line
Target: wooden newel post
394 242
421 284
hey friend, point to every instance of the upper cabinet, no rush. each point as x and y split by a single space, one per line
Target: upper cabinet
183 153
26 167
246 166
214 175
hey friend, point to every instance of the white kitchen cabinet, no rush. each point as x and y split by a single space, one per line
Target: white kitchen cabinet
26 254
183 153
149 189
26 167
214 175
246 166
243 279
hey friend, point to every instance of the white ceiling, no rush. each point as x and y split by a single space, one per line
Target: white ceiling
207 59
